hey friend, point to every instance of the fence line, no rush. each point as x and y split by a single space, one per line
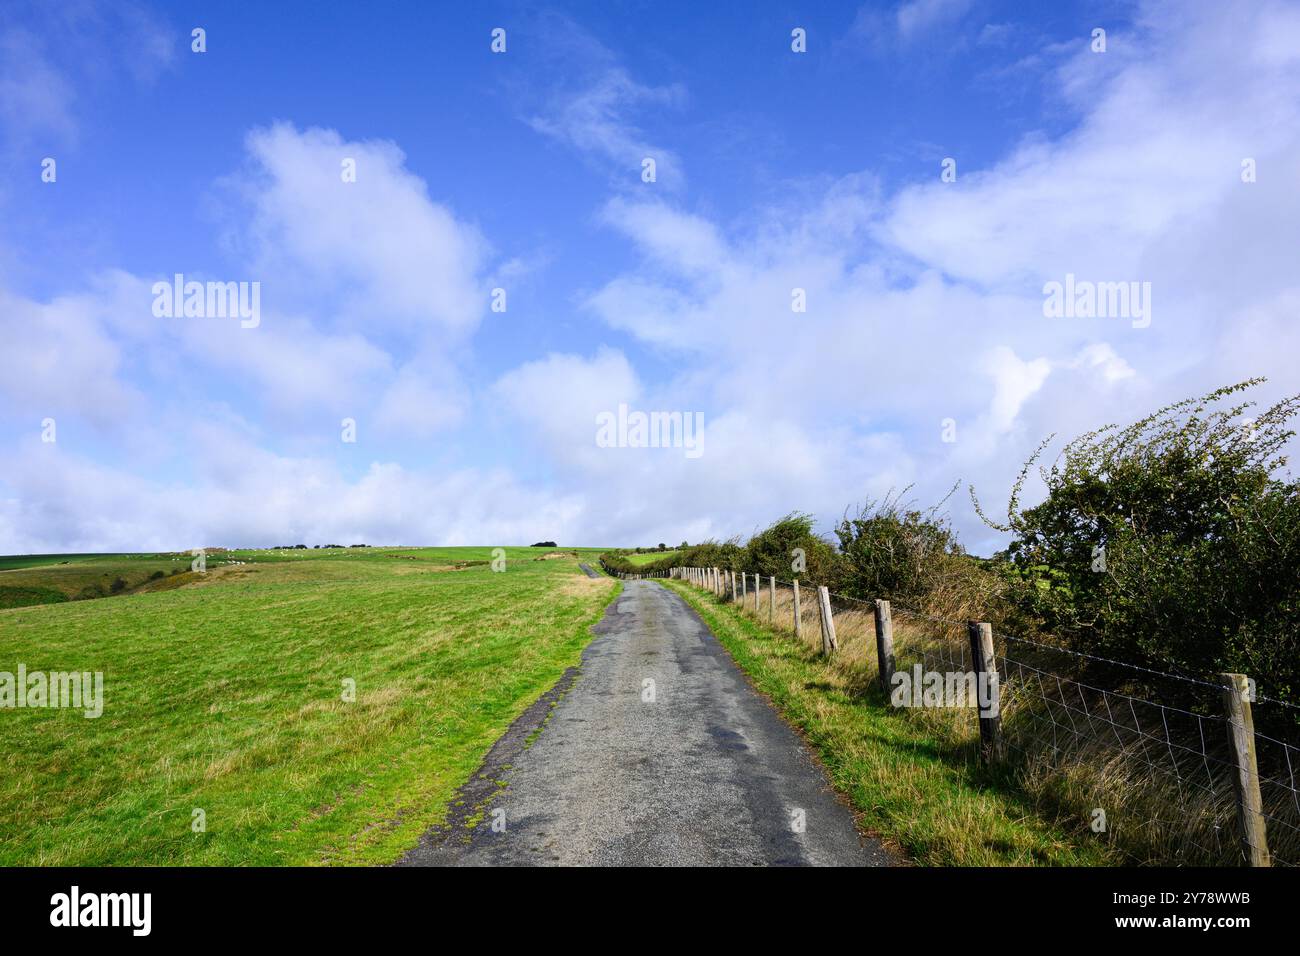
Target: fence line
1237 793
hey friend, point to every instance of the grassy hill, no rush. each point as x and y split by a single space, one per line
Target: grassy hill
223 692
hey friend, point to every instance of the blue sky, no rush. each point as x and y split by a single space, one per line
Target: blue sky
522 171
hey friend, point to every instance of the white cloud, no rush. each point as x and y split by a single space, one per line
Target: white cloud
1014 381
47 86
595 119
58 358
557 399
35 97
379 247
368 291
937 311
918 16
247 496
922 306
424 398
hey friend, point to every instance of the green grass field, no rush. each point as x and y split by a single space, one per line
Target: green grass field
647 556
223 692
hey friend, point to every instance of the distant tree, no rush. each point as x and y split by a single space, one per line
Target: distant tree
546 544
662 546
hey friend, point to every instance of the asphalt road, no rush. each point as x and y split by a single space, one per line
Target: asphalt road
694 768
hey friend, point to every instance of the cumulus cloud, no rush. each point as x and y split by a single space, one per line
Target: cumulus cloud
557 399
61 502
60 358
369 291
379 247
923 305
356 279
928 305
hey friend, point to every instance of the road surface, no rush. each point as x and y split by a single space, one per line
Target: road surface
656 752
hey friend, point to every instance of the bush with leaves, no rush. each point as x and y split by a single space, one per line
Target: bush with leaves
1172 543
710 554
773 552
895 550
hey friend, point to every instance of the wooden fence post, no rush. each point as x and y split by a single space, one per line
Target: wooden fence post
986 675
798 624
829 644
732 575
771 606
744 587
1245 781
885 645
758 591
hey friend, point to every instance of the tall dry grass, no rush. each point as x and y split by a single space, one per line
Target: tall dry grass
1152 781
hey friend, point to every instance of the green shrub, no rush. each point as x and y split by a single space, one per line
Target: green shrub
773 551
27 596
1172 543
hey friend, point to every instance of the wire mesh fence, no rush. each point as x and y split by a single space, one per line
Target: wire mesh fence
1091 738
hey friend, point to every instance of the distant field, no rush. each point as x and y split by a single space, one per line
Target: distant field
648 556
26 580
10 561
223 691
45 579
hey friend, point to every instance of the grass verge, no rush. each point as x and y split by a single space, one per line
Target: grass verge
924 793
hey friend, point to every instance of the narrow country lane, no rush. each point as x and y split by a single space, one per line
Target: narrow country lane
694 768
